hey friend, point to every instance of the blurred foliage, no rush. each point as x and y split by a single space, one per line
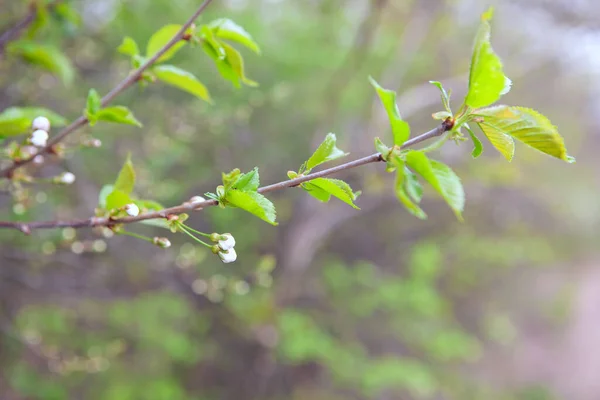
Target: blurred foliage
382 307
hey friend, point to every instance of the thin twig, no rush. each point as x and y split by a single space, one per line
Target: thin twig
124 84
27 227
15 31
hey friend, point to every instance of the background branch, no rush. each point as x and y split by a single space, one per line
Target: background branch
110 96
26 227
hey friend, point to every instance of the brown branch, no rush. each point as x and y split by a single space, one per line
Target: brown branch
27 227
15 31
124 84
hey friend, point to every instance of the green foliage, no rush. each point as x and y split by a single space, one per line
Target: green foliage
253 202
118 195
327 151
224 28
18 120
183 80
502 123
159 39
403 190
477 146
47 57
116 114
129 47
323 188
445 96
487 82
400 128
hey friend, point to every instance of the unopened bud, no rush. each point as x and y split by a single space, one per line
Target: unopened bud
226 241
197 200
132 210
228 256
93 143
66 178
162 242
41 123
39 138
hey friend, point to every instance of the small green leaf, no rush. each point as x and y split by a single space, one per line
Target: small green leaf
401 191
477 146
118 115
126 178
183 80
160 38
441 177
227 29
236 62
117 199
93 104
333 187
67 13
46 56
327 151
400 128
18 120
104 192
128 47
413 187
316 192
382 149
148 205
441 115
247 182
525 125
444 95
253 202
221 63
487 81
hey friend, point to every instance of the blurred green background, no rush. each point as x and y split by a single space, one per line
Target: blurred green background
333 303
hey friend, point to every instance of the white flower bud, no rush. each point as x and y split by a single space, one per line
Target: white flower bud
132 210
228 242
41 123
39 138
228 256
197 199
67 178
162 242
38 160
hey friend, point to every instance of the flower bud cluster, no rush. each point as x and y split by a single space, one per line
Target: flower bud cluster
41 127
224 247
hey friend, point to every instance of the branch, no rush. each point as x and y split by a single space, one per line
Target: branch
124 84
15 31
27 227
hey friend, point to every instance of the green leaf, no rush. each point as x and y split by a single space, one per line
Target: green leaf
441 177
525 125
236 62
327 151
148 205
227 29
333 187
400 128
247 182
221 63
183 80
444 95
382 149
104 192
441 115
413 187
67 13
93 104
160 38
46 56
126 178
501 141
118 115
128 47
487 81
402 193
117 199
18 120
316 192
253 202
477 146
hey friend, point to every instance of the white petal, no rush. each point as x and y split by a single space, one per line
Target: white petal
132 210
228 243
39 138
67 178
228 256
42 123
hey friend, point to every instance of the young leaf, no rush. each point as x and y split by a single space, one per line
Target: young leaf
117 199
253 202
221 63
525 125
487 82
93 104
247 182
444 95
128 47
400 128
104 192
227 29
160 38
327 151
401 191
316 192
126 178
441 177
183 80
236 62
477 146
333 187
45 56
382 148
17 120
118 115
413 187
12 125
